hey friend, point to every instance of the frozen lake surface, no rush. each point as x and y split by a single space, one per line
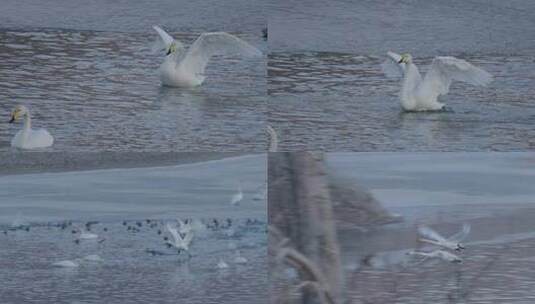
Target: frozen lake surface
327 90
136 265
90 77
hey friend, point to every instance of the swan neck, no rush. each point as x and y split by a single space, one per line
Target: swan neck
411 77
27 122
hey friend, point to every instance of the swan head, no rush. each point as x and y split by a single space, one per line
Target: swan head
405 58
18 112
173 48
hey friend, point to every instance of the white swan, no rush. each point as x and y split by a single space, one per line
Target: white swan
179 242
183 68
237 197
273 139
437 254
453 242
419 94
28 138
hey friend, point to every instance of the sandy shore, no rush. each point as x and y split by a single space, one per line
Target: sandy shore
30 162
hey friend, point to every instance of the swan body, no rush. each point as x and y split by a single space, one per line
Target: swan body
27 138
237 197
421 94
453 242
437 254
185 68
179 242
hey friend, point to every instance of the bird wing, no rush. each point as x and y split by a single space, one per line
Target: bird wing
164 41
446 69
188 238
173 232
430 233
210 44
461 235
391 66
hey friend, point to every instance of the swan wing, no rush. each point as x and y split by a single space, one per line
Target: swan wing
444 70
164 40
188 238
217 43
173 232
430 233
391 68
461 235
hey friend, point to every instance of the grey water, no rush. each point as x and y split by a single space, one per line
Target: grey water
490 191
137 267
87 73
327 91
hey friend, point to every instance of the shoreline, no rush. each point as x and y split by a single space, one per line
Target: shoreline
50 162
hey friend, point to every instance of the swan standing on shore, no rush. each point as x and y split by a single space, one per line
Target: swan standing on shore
453 243
185 68
419 94
28 138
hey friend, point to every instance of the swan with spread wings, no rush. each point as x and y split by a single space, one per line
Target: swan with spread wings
185 67
421 94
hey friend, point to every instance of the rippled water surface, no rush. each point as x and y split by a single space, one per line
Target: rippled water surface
341 102
128 272
327 90
90 78
137 267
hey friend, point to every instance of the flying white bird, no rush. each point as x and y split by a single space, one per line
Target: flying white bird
237 197
453 242
183 227
419 94
27 138
185 68
179 242
437 254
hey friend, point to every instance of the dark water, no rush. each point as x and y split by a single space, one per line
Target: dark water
90 77
327 90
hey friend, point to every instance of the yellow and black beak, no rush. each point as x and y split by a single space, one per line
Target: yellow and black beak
401 60
13 117
168 51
